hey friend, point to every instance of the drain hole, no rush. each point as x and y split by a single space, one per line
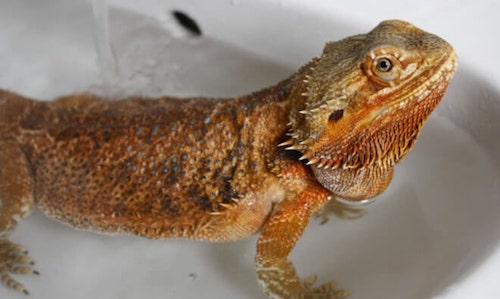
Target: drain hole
187 22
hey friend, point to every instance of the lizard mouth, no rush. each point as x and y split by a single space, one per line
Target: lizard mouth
445 70
412 96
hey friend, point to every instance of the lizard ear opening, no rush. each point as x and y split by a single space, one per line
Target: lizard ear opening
336 115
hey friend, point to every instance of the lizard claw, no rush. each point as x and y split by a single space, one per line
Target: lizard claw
326 290
340 209
14 259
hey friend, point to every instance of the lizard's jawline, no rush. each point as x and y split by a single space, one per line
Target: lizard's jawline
443 74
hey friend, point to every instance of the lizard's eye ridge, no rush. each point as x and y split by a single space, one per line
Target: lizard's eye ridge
336 115
383 65
382 68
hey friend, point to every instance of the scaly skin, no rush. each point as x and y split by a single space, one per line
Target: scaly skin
211 168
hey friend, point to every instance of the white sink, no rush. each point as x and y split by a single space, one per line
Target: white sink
434 229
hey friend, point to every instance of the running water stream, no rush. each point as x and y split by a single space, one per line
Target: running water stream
106 58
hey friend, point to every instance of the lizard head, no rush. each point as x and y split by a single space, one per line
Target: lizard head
365 99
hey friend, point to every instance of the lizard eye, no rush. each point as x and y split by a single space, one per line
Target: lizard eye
383 65
336 115
383 69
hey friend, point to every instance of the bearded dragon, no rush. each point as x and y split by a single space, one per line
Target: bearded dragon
225 169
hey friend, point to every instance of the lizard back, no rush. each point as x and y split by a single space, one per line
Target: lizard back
142 166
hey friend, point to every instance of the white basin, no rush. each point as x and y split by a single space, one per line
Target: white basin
434 231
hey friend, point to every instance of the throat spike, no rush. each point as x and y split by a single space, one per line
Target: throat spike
313 161
306 156
286 143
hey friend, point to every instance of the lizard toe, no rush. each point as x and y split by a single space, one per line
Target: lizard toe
14 259
326 290
339 209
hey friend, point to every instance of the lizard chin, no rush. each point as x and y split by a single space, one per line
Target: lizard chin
354 185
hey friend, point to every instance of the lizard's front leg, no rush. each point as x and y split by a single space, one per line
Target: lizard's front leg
275 273
16 201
